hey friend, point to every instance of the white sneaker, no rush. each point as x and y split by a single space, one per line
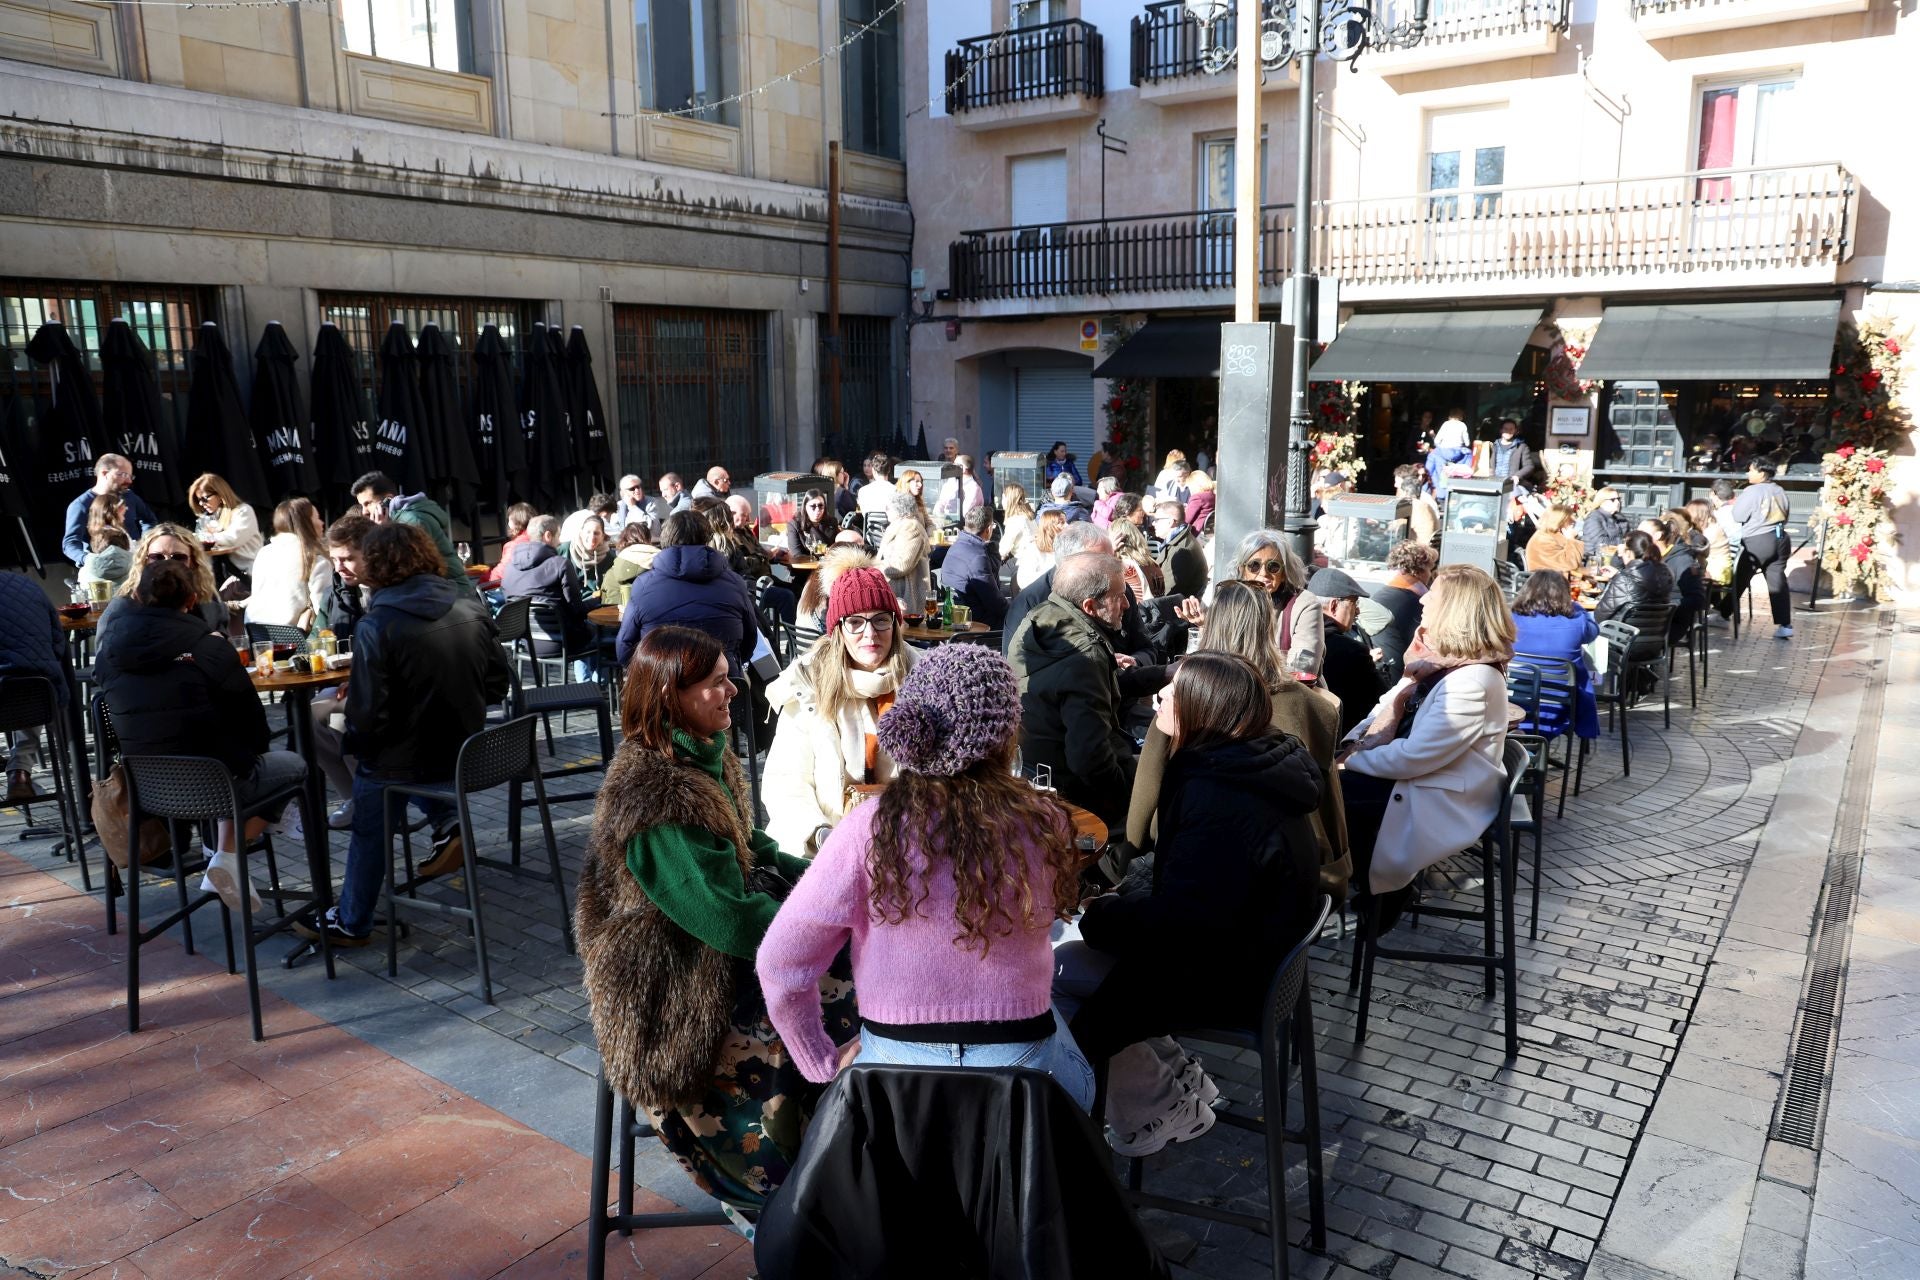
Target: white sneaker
1783 633
1187 1119
342 816
1194 1079
289 827
222 877
1715 620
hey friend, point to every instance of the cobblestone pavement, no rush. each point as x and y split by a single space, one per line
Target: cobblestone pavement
1442 1158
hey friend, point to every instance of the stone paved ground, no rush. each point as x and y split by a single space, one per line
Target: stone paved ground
1443 1159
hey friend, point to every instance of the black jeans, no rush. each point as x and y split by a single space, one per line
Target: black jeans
1767 553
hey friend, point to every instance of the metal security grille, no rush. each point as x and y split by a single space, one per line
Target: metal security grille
867 415
363 319
165 317
692 390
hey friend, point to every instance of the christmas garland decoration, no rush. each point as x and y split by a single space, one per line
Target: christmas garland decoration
1126 410
1864 407
1854 519
1568 488
1335 446
1563 365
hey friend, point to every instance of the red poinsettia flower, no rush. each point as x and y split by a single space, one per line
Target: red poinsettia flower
1893 348
1116 404
1844 451
1862 552
1876 465
1843 519
1870 379
1867 415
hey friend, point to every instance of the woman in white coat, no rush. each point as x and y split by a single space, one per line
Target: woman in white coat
292 576
1423 773
904 551
830 702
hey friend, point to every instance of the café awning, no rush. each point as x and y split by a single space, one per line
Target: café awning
1428 346
1677 341
1172 347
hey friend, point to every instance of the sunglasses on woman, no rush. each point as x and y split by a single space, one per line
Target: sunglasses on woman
161 557
1266 568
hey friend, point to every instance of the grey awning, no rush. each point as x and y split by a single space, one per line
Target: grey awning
1428 346
1676 341
1173 347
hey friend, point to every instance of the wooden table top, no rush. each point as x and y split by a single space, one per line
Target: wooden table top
298 678
939 635
607 615
85 622
479 570
803 566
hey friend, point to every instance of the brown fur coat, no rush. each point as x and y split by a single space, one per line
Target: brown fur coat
661 1000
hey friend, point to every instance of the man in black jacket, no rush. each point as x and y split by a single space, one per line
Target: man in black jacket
1070 703
1513 456
972 569
539 572
1347 669
346 605
1178 551
427 664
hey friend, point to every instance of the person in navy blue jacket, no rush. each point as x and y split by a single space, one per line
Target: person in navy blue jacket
31 644
690 584
972 569
111 474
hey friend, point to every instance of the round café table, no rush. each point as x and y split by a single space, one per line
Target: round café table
607 615
297 687
940 635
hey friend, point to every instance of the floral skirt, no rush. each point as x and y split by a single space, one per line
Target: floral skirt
739 1141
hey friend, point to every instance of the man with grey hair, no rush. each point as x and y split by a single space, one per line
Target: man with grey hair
1071 541
950 449
111 474
631 495
1070 700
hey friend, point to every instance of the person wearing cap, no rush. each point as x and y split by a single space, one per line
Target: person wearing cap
944 890
1064 502
830 700
1347 669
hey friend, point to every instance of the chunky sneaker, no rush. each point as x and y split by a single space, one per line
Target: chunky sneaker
288 826
341 819
305 925
1187 1119
1783 633
1194 1079
448 856
222 876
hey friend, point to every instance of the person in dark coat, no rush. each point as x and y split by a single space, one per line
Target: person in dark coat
1132 639
1411 565
538 571
1641 580
346 606
31 644
1513 456
1070 698
1180 556
111 474
1347 669
690 585
1670 537
381 501
972 569
1604 525
427 663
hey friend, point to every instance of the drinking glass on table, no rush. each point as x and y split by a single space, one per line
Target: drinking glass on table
263 657
464 551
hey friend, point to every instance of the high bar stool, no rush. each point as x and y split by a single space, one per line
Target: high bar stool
29 704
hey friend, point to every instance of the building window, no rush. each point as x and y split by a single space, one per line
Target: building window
1466 156
870 79
362 319
1746 124
866 391
688 50
425 33
693 389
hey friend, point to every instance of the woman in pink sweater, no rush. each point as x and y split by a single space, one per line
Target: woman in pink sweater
946 886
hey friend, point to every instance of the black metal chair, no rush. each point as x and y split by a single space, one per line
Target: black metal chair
873 527
199 789
1636 642
274 633
1695 639
544 702
1285 1034
746 737
1495 849
601 1223
1529 816
29 704
492 757
799 639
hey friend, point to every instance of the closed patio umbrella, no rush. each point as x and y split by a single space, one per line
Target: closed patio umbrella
589 419
218 436
64 433
443 433
342 434
396 434
18 545
137 420
281 426
543 418
498 445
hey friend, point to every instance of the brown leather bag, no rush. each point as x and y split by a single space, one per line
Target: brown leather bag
110 811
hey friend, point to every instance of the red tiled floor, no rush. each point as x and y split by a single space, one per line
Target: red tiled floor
187 1150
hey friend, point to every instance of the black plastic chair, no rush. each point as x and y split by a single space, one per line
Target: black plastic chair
1286 1024
746 738
199 789
799 639
1529 816
1695 639
274 633
28 705
491 758
1636 642
1496 910
873 526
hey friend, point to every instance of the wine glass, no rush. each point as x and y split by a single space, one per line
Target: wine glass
464 551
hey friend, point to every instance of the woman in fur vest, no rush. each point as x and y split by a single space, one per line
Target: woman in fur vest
677 891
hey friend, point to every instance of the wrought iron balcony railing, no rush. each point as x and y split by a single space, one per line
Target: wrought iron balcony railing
1025 64
1167 44
1449 21
1701 223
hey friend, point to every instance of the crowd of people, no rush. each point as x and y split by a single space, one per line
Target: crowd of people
907 885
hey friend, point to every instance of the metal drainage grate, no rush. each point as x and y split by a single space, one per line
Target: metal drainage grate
1802 1113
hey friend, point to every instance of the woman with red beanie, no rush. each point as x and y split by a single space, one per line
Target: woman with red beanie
830 702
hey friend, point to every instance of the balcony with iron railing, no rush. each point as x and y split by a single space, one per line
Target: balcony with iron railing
1473 32
1704 229
1026 75
1666 19
1165 56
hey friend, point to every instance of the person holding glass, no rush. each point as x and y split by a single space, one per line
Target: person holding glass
227 525
813 527
830 701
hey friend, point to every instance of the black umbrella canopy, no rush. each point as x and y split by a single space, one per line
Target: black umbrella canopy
136 419
443 432
589 418
218 437
341 433
499 449
18 544
396 436
63 433
543 420
281 426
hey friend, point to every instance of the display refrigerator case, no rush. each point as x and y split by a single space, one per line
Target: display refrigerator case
776 497
1473 529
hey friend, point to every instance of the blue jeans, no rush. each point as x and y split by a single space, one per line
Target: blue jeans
1057 1055
368 852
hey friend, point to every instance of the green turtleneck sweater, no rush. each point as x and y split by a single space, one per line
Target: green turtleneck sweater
693 874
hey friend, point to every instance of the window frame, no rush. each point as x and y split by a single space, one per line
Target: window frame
465 55
866 53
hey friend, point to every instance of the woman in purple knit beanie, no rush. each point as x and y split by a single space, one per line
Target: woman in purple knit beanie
946 886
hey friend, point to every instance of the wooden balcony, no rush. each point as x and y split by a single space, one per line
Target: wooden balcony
1706 229
1474 32
1666 19
1026 75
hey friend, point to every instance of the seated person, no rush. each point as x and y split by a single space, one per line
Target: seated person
1669 534
1548 623
542 573
1642 579
945 887
1347 669
1412 565
1070 508
633 553
346 605
972 568
33 645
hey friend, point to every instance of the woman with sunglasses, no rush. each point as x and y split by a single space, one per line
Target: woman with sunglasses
830 703
813 528
1266 561
227 525
162 544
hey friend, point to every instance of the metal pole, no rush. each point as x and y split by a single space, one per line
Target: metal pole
1299 523
1246 169
833 292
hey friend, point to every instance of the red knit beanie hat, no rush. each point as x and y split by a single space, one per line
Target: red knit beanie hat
860 591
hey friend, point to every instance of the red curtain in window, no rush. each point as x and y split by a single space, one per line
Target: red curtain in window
1717 115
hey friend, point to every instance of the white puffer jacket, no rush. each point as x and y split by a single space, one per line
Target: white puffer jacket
813 760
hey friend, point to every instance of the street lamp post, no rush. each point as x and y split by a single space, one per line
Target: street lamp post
1286 31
